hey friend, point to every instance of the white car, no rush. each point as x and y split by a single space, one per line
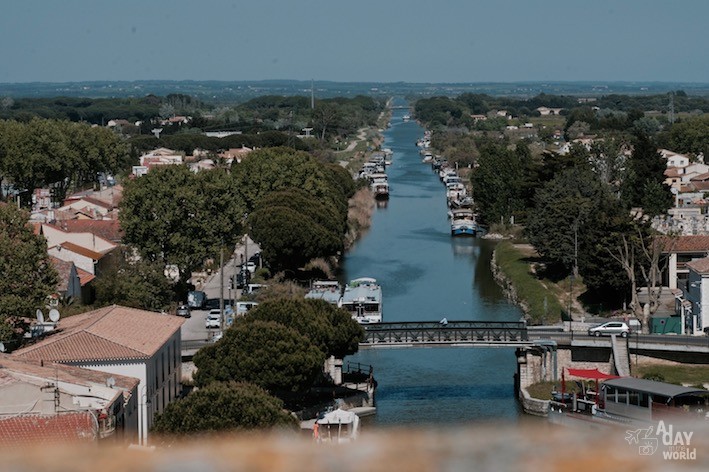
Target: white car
213 319
610 327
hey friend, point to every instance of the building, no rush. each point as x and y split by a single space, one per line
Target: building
123 341
696 310
51 403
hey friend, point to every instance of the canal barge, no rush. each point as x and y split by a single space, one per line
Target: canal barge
363 300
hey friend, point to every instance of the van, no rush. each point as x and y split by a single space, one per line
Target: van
253 288
243 307
196 299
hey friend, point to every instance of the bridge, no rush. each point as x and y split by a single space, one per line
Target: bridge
452 333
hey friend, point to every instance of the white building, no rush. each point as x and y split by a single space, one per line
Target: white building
124 341
696 316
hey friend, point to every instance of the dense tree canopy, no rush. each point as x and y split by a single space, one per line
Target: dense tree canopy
223 407
28 277
177 217
330 328
268 354
62 154
138 284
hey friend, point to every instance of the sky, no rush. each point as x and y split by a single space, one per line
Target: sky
355 40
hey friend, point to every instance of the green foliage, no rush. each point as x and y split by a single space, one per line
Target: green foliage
268 354
289 239
330 328
689 136
67 155
177 217
27 274
223 407
644 171
138 284
498 182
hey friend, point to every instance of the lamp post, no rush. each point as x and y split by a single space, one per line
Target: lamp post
143 402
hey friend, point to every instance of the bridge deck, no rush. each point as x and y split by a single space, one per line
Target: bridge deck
482 333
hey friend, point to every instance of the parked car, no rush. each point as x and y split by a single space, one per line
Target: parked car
183 310
213 320
250 266
243 307
610 327
243 278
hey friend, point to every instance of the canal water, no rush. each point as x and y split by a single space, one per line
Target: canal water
426 275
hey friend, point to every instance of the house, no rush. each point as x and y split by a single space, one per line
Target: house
544 111
74 283
123 341
680 251
108 230
48 403
237 154
86 250
696 314
157 157
674 159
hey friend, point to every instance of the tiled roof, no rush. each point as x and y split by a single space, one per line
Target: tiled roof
10 365
106 229
48 429
700 266
64 270
84 276
692 244
81 250
109 333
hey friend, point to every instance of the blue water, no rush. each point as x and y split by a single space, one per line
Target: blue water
425 276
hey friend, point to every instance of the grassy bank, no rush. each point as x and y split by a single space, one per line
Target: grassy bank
675 374
539 302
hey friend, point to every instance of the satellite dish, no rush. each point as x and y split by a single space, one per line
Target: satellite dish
54 315
2 347
40 317
110 382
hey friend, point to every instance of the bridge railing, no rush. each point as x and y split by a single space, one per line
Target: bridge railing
450 332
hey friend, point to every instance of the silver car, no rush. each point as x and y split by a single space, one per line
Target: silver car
610 327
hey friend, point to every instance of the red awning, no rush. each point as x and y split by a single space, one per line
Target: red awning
594 374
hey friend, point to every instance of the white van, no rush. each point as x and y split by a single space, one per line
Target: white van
243 307
253 288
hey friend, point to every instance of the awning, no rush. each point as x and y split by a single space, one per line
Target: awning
594 374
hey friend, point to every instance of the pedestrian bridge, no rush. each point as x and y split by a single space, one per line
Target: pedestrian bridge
451 333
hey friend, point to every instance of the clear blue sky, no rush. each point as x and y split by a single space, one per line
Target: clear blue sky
355 40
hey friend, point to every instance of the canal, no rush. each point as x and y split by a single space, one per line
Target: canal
426 275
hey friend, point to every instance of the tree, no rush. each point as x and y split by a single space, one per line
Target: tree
176 217
289 238
268 354
28 277
330 328
644 170
224 407
134 283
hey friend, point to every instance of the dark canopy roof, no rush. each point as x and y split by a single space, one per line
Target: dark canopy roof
653 387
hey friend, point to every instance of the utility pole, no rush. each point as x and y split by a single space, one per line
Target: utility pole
221 287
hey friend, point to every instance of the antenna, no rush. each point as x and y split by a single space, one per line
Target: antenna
312 94
40 317
54 315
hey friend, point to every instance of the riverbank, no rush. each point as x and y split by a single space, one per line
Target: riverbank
512 266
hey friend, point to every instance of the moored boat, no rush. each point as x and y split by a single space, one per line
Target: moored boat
463 222
363 299
328 290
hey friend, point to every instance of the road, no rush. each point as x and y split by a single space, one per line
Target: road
193 330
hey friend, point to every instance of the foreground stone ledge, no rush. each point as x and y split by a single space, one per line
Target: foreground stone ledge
494 447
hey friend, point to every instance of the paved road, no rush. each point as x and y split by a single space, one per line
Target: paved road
193 329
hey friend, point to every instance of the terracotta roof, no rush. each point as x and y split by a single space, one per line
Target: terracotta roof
48 429
81 250
64 270
700 178
672 172
700 266
109 333
106 229
692 244
84 276
65 373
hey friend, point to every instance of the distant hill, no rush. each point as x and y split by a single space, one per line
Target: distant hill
239 91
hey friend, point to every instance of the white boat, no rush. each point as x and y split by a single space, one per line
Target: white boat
328 290
363 299
338 426
455 191
380 189
463 222
407 118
